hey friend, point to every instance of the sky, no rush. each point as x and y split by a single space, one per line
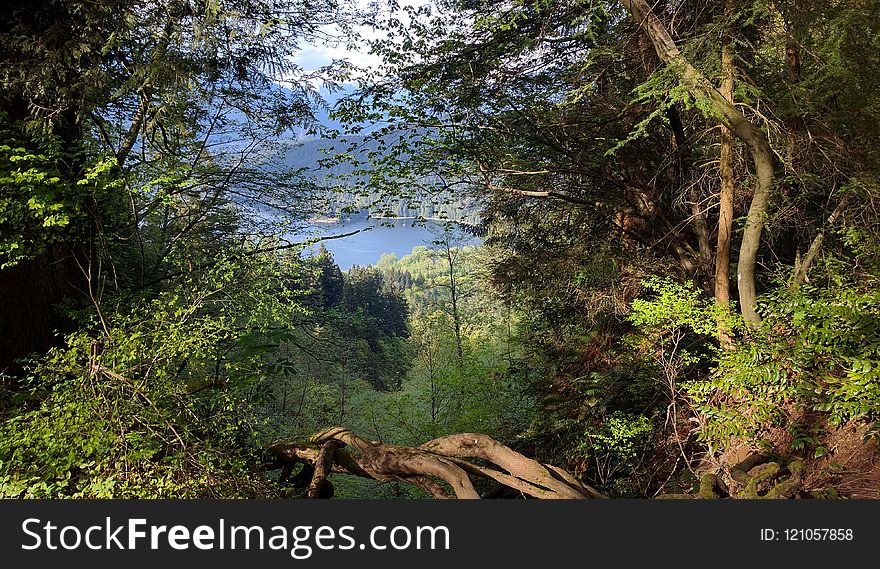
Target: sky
318 54
313 56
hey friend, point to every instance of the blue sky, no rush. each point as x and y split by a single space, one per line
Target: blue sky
316 55
313 56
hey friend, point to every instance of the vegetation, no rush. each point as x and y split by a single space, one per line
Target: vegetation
675 293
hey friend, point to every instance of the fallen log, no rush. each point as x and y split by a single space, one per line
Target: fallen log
445 467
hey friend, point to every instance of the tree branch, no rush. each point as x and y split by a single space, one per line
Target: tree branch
322 468
251 253
800 274
443 460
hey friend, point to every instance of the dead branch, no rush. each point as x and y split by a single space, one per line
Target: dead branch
322 468
803 267
443 467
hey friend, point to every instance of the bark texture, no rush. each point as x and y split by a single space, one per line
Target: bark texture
725 203
446 467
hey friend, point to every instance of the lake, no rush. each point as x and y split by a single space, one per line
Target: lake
376 237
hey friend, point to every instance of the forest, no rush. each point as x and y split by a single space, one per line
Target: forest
675 294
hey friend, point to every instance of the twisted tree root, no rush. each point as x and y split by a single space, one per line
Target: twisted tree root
446 460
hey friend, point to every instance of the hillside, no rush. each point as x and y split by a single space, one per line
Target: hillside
348 187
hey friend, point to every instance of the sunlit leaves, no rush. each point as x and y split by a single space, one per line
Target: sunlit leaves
39 203
819 353
159 399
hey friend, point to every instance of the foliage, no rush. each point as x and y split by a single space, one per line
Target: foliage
324 367
148 140
618 448
672 306
39 203
445 392
676 327
814 363
156 401
589 391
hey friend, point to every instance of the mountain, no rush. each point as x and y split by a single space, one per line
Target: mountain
347 191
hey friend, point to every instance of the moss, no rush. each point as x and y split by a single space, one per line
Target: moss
788 487
756 476
707 487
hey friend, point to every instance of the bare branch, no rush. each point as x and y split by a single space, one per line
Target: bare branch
442 460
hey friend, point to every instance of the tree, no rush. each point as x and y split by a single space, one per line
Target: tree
613 141
736 122
450 247
330 284
727 193
550 143
179 98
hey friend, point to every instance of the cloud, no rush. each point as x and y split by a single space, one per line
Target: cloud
313 57
330 45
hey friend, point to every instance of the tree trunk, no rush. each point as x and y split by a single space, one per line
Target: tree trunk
725 203
453 292
29 292
454 295
762 155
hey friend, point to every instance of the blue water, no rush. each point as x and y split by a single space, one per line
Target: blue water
376 237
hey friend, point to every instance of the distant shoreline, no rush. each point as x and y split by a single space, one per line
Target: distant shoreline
334 220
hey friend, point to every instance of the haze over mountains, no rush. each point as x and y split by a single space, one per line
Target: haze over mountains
349 193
